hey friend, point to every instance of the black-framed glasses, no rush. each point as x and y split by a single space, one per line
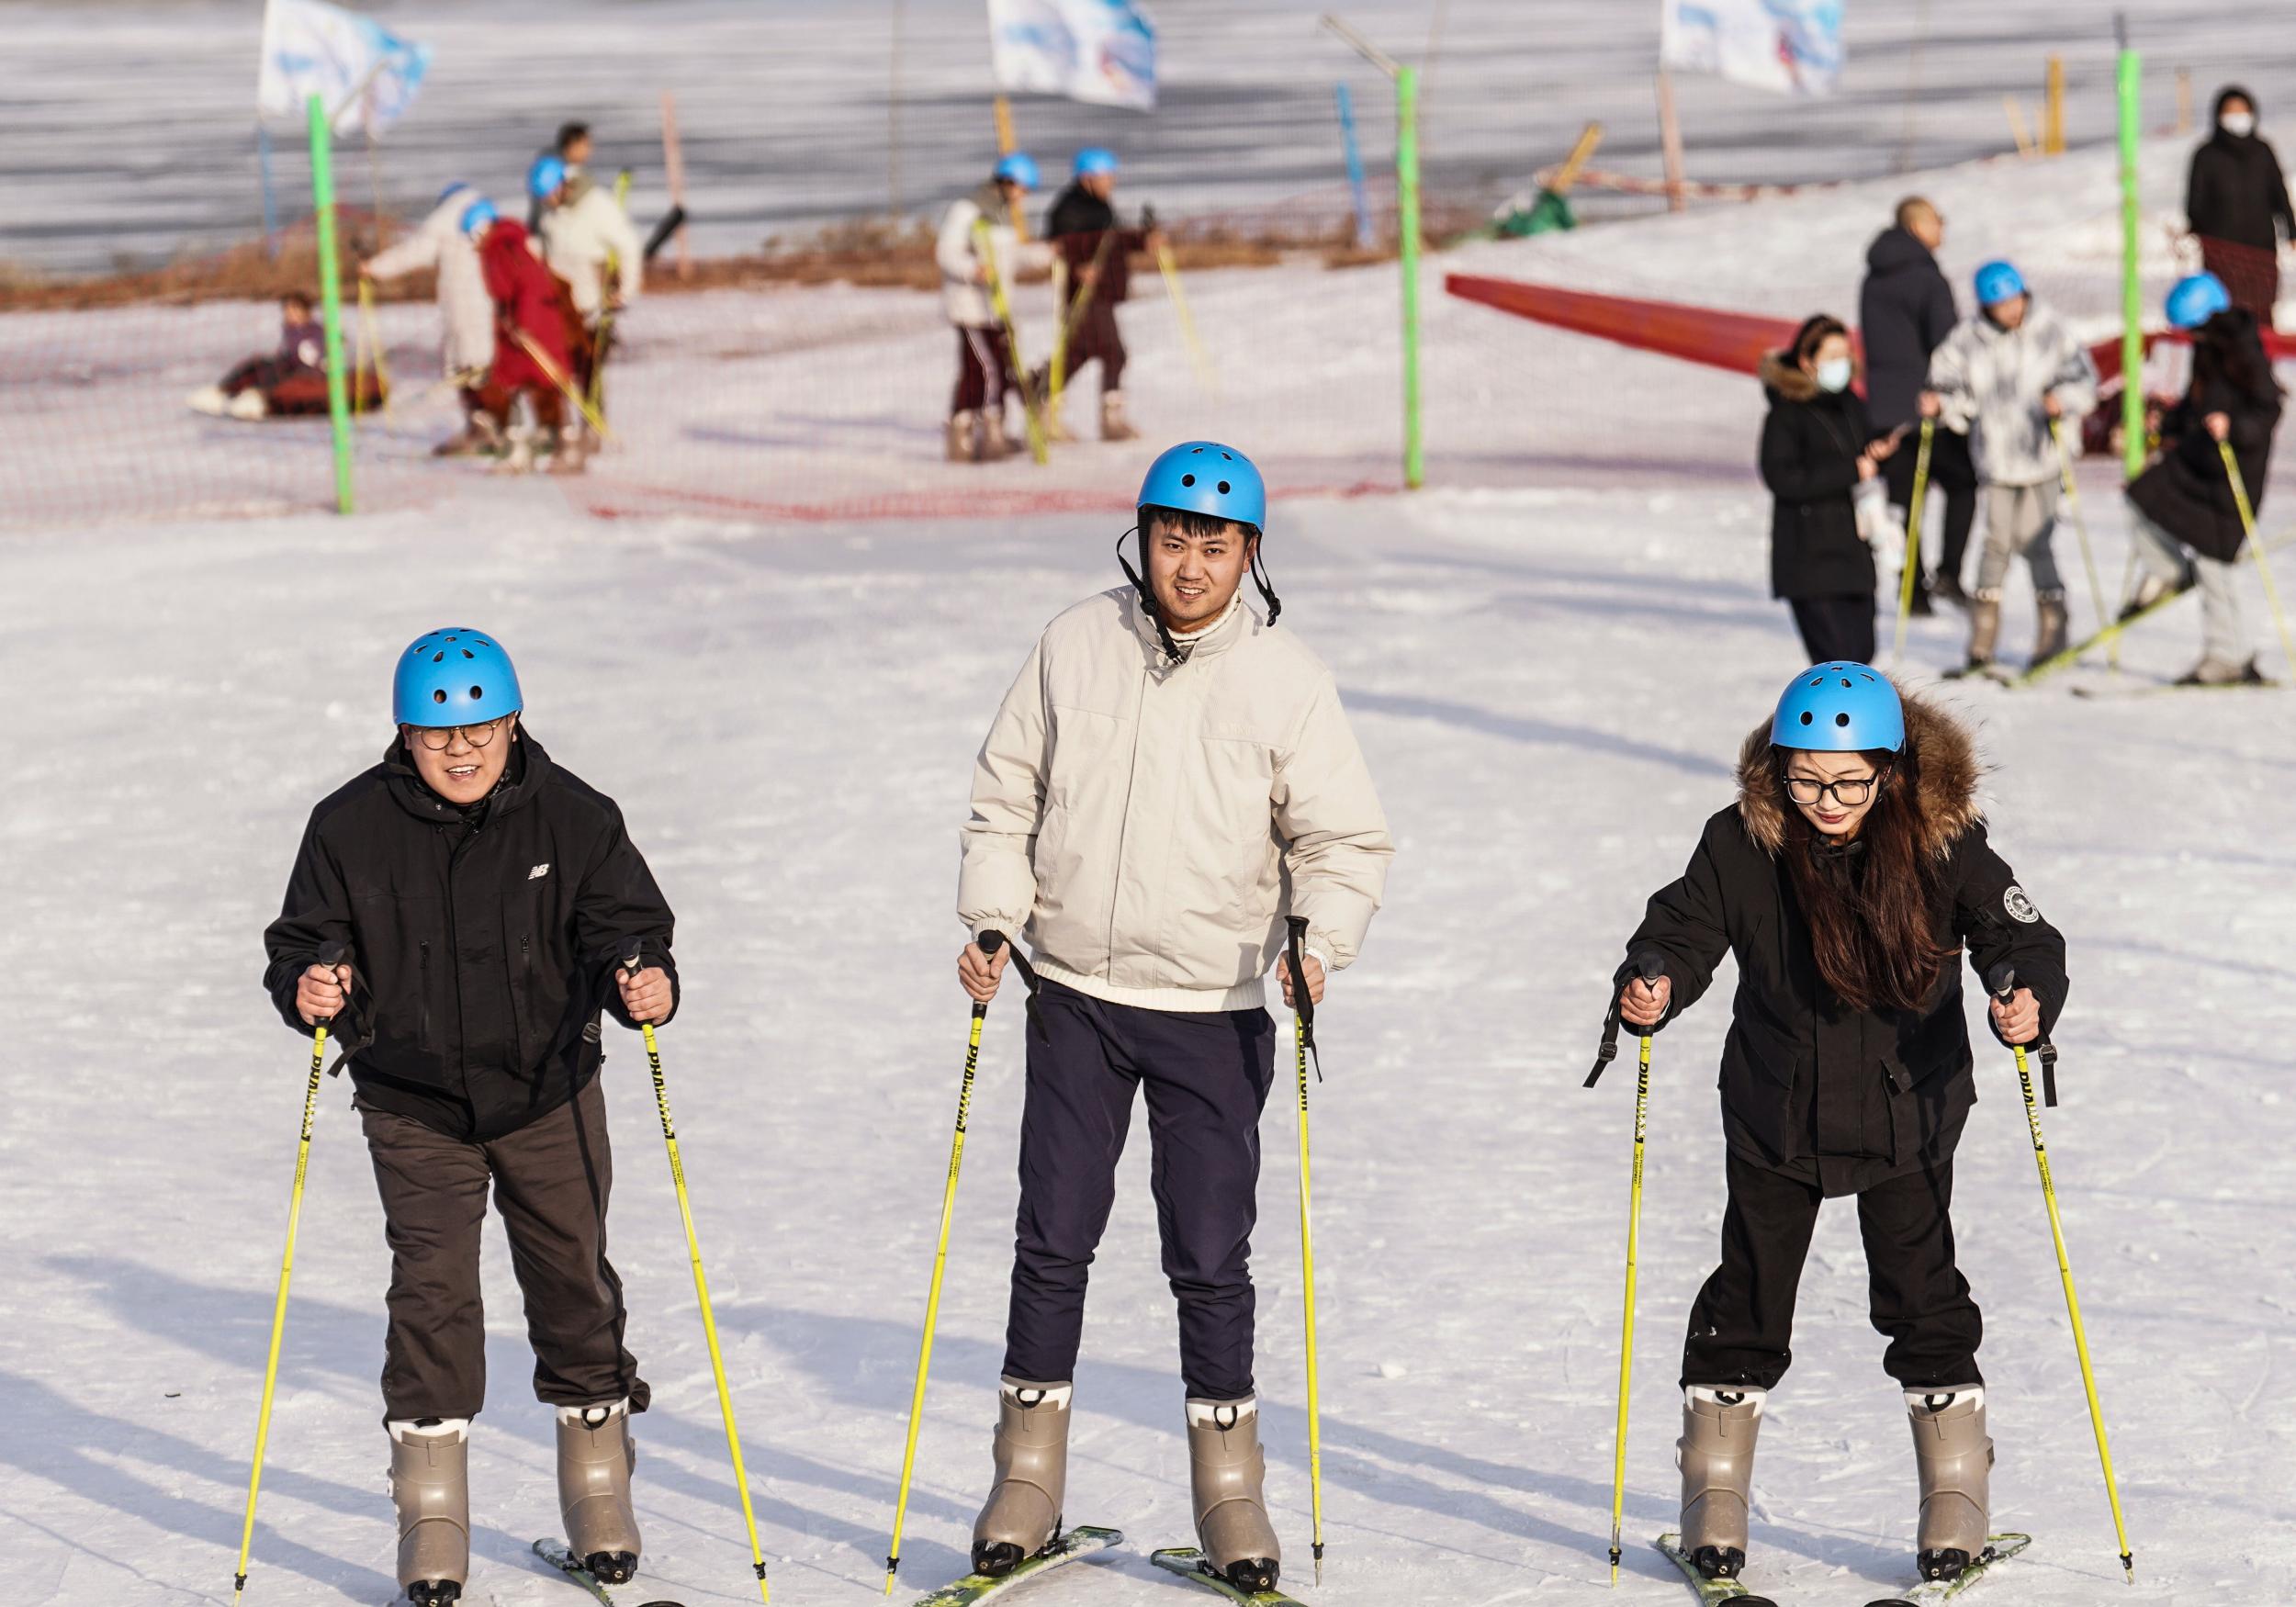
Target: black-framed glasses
1849 793
439 739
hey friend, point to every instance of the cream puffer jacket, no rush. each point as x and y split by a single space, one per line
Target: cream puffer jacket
579 237
1146 827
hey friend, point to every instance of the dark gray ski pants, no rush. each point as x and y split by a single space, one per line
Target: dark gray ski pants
1206 1077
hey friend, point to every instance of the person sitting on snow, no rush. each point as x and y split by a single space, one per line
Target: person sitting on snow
247 391
466 311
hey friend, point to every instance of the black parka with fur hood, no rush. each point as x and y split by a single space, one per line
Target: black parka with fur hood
1809 1085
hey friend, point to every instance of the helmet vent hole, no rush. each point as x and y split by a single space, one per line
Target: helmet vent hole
439 696
1225 458
468 654
1223 487
1843 719
478 691
439 657
1805 716
1187 480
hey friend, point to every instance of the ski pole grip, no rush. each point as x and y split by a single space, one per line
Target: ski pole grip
2001 981
1650 964
991 941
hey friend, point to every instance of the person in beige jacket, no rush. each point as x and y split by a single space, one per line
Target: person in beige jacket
1170 778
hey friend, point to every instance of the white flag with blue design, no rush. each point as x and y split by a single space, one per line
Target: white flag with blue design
1099 50
364 75
1789 47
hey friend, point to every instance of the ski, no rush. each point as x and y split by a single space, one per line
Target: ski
556 1553
1999 1549
1709 1590
1192 1566
2090 643
2149 689
1078 1542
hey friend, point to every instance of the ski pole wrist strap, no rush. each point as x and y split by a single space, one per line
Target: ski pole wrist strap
1029 977
1609 1049
2048 1072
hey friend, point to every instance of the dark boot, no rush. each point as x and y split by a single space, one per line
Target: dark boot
1022 1515
1955 1460
1226 1471
1716 1457
1985 629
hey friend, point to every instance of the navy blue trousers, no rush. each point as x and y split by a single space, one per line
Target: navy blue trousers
1207 1078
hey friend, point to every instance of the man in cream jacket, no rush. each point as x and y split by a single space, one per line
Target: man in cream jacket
1169 779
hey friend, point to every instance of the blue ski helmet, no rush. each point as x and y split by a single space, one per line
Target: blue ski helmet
1998 282
1203 476
1094 159
1840 708
478 215
2196 298
1017 167
546 176
459 186
453 675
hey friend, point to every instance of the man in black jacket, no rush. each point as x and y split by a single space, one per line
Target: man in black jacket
492 903
1904 312
2237 202
1082 228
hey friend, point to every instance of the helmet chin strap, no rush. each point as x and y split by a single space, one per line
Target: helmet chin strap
1267 590
1148 597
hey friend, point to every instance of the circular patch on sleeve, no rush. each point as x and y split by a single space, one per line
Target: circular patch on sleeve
2020 908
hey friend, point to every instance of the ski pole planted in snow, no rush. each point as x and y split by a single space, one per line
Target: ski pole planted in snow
1303 1045
1649 967
2001 981
332 955
2264 566
2080 529
700 1282
1911 564
990 943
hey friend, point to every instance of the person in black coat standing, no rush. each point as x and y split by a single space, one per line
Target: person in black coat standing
2236 201
1848 879
1082 228
461 914
1904 311
2184 500
1818 448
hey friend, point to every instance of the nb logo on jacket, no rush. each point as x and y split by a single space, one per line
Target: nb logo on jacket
539 871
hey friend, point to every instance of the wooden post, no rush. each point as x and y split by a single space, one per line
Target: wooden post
674 164
2184 100
2017 125
1580 154
2052 135
1671 142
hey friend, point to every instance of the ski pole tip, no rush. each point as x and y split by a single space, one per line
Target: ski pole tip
893 1565
2127 1565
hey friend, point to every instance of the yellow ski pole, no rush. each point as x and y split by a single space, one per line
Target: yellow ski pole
990 943
702 1288
556 377
2264 565
1001 304
373 328
1303 1044
1196 357
2002 982
1911 564
1650 966
331 955
2080 528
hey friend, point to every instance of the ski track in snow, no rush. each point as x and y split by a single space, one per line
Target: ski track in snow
1550 684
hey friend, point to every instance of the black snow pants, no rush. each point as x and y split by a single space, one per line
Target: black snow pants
550 1180
1741 1326
1836 627
1952 476
1207 1078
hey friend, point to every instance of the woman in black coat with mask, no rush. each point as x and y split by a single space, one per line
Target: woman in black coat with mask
1817 447
2237 202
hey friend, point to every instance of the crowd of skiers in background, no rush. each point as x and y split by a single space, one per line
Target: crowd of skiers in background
1992 402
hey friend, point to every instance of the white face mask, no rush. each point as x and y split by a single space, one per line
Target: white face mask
2238 124
1833 373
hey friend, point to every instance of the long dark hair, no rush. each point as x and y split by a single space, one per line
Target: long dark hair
1815 331
1871 934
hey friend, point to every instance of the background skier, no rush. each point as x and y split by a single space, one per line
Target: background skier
584 232
1082 228
1169 778
1846 878
466 310
534 350
489 898
986 374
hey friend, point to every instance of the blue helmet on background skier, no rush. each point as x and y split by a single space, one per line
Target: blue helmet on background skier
1094 160
478 215
453 675
1016 167
2196 298
454 188
546 177
1840 707
1997 282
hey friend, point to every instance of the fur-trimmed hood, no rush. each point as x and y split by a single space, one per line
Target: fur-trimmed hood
1781 377
1945 754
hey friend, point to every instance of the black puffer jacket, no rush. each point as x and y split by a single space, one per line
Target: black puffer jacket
1082 228
1810 444
484 941
1844 1097
2236 191
1904 312
2187 493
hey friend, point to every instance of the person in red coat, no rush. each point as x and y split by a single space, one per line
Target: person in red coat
532 355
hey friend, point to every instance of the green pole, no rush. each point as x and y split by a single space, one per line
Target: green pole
1407 223
2130 78
331 300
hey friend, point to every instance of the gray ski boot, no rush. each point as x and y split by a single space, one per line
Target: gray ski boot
1716 1457
596 1457
1955 1461
1226 1471
2050 631
430 1484
1985 629
1022 1515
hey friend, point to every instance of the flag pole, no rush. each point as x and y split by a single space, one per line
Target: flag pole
330 299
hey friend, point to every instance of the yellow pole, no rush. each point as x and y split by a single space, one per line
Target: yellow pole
2025 146
702 1293
1626 1322
2053 117
1911 564
2073 1311
374 330
557 377
278 1307
2264 566
990 943
2080 528
1307 1289
1002 303
1197 358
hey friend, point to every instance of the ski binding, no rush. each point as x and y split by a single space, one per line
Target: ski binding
1709 1590
556 1553
1082 1541
1192 1566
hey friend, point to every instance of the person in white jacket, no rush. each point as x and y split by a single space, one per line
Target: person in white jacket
466 310
584 228
979 249
1168 782
2006 377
